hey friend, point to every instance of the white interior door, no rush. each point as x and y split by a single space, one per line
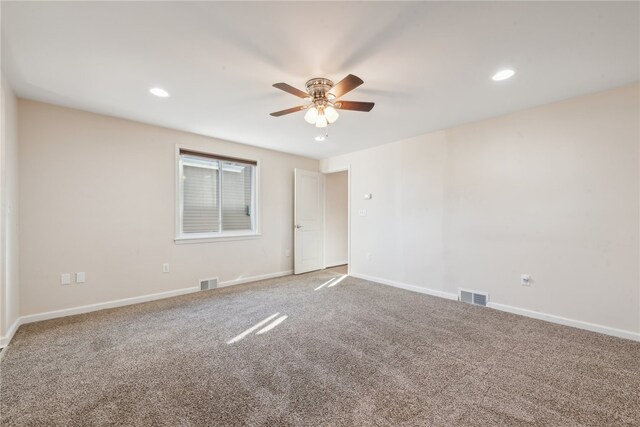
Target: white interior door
308 221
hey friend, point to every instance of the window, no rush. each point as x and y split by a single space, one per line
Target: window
217 196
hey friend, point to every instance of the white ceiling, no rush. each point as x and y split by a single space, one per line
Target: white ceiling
427 66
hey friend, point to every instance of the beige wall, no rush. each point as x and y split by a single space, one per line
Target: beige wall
98 196
9 280
336 218
552 192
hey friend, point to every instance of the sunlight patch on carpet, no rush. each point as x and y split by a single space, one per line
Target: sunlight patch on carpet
325 284
337 281
253 328
272 325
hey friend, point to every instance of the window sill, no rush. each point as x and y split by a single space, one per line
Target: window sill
184 240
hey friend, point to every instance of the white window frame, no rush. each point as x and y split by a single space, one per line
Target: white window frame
220 236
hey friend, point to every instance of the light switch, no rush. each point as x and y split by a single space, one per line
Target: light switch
65 279
165 268
80 277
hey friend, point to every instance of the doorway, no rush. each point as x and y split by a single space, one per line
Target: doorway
336 221
322 221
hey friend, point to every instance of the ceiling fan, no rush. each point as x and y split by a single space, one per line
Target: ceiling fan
324 99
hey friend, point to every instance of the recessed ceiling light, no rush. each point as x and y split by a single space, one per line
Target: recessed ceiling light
503 75
320 138
159 92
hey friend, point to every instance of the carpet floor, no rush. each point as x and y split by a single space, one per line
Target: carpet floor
298 351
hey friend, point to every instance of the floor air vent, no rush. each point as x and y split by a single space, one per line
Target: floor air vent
206 284
473 297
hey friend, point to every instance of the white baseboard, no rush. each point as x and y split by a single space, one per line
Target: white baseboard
635 336
620 333
248 279
104 305
407 287
4 341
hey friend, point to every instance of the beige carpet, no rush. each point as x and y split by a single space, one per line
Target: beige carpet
351 354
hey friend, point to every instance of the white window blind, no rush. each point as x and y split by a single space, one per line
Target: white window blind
217 194
200 209
236 196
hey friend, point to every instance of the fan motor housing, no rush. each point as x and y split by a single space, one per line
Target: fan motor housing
318 87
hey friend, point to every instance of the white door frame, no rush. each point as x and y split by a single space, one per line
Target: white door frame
324 226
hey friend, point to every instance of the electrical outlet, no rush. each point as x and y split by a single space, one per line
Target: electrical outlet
165 268
80 277
525 280
65 279
362 212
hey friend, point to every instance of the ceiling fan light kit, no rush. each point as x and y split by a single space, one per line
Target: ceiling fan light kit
323 96
311 116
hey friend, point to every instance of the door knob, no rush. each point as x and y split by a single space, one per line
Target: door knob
299 226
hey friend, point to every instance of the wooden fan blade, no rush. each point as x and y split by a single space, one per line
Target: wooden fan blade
346 85
289 111
292 90
354 105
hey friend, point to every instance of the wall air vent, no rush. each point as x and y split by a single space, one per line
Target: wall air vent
473 297
206 284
